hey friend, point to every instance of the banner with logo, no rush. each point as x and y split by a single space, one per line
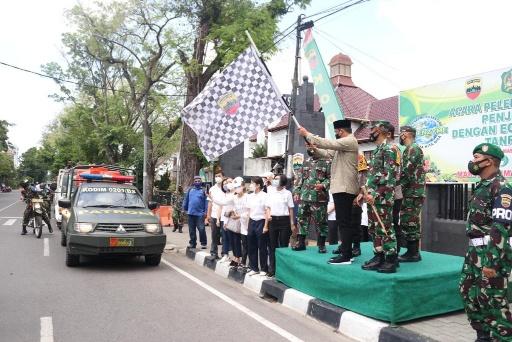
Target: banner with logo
323 86
452 117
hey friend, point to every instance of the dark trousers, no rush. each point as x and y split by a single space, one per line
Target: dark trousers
28 212
245 250
196 222
400 238
226 242
236 243
257 244
279 232
333 232
357 213
343 206
215 226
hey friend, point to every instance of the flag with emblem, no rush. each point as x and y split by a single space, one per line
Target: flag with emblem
234 106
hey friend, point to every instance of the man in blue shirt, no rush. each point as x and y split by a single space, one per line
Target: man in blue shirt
195 205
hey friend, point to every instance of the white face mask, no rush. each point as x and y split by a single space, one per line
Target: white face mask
218 180
252 187
275 182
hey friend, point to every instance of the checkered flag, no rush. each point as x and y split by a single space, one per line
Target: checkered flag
234 106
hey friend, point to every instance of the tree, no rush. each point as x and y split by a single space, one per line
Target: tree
220 31
33 165
4 139
7 170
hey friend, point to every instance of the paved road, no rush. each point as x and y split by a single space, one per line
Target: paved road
124 300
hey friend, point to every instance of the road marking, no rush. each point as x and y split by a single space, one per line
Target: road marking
46 329
10 217
237 305
46 249
9 222
10 205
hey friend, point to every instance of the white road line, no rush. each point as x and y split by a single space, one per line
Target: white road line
10 205
10 217
9 222
46 329
46 249
237 305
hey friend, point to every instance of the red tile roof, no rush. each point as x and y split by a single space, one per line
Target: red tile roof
340 58
385 109
354 101
283 123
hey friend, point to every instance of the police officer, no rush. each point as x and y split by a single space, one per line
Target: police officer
381 184
412 181
311 191
344 187
177 209
483 282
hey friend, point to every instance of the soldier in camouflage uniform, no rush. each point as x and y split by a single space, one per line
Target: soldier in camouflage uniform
381 183
311 190
177 210
484 278
412 180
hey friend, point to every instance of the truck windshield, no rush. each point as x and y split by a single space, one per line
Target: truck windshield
109 197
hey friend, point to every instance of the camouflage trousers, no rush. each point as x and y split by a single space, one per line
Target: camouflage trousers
384 239
410 217
485 300
312 214
177 216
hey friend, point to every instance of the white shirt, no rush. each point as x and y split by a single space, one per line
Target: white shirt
242 209
256 204
217 196
279 202
332 215
364 216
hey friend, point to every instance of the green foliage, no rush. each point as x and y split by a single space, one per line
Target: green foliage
34 164
259 151
7 170
165 182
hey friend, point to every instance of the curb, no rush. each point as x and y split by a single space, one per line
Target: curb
348 323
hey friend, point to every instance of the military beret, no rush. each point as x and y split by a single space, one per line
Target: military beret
407 129
341 124
490 150
385 125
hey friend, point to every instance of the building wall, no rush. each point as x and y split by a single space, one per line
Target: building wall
276 143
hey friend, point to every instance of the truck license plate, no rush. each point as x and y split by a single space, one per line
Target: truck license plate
121 242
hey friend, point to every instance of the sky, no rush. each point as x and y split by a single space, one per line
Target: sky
394 44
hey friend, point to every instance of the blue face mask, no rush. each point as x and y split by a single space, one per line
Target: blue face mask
197 184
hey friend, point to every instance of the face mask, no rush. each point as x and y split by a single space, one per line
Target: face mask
218 180
401 141
474 168
374 136
252 187
275 182
197 184
238 190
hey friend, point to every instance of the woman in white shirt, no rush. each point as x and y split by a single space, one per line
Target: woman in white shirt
241 211
279 218
257 241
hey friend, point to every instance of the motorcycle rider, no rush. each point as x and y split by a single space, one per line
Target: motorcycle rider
28 192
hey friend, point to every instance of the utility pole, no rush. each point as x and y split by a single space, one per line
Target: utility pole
295 86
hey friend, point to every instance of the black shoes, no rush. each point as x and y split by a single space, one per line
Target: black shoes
374 263
321 245
24 230
50 229
301 246
340 260
389 265
337 250
356 251
482 336
412 254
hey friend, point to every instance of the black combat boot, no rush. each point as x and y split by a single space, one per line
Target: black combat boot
389 266
482 336
175 228
412 254
356 249
301 246
24 230
180 228
321 244
374 263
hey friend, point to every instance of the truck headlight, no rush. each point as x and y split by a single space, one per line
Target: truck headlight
153 228
84 227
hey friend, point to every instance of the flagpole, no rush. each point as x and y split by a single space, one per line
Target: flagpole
252 43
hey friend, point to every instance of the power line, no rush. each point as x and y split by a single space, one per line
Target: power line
332 8
80 83
341 9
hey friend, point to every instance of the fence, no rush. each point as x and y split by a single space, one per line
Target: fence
453 200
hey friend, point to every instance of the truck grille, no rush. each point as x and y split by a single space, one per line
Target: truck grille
112 227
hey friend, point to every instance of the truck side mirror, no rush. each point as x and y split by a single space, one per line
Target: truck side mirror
65 203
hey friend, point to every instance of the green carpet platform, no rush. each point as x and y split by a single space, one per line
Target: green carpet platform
422 289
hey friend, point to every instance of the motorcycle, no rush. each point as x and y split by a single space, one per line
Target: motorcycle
36 216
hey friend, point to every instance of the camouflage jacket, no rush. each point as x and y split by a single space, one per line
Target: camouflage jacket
177 200
412 174
383 173
313 172
498 220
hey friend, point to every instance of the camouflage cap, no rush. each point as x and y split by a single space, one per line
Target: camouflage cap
385 125
407 129
490 150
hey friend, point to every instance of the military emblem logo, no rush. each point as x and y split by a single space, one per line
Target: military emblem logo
506 199
473 88
485 148
506 82
229 103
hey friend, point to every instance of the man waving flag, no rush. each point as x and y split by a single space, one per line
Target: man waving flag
234 106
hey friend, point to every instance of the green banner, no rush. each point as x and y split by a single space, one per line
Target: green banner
326 95
452 117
